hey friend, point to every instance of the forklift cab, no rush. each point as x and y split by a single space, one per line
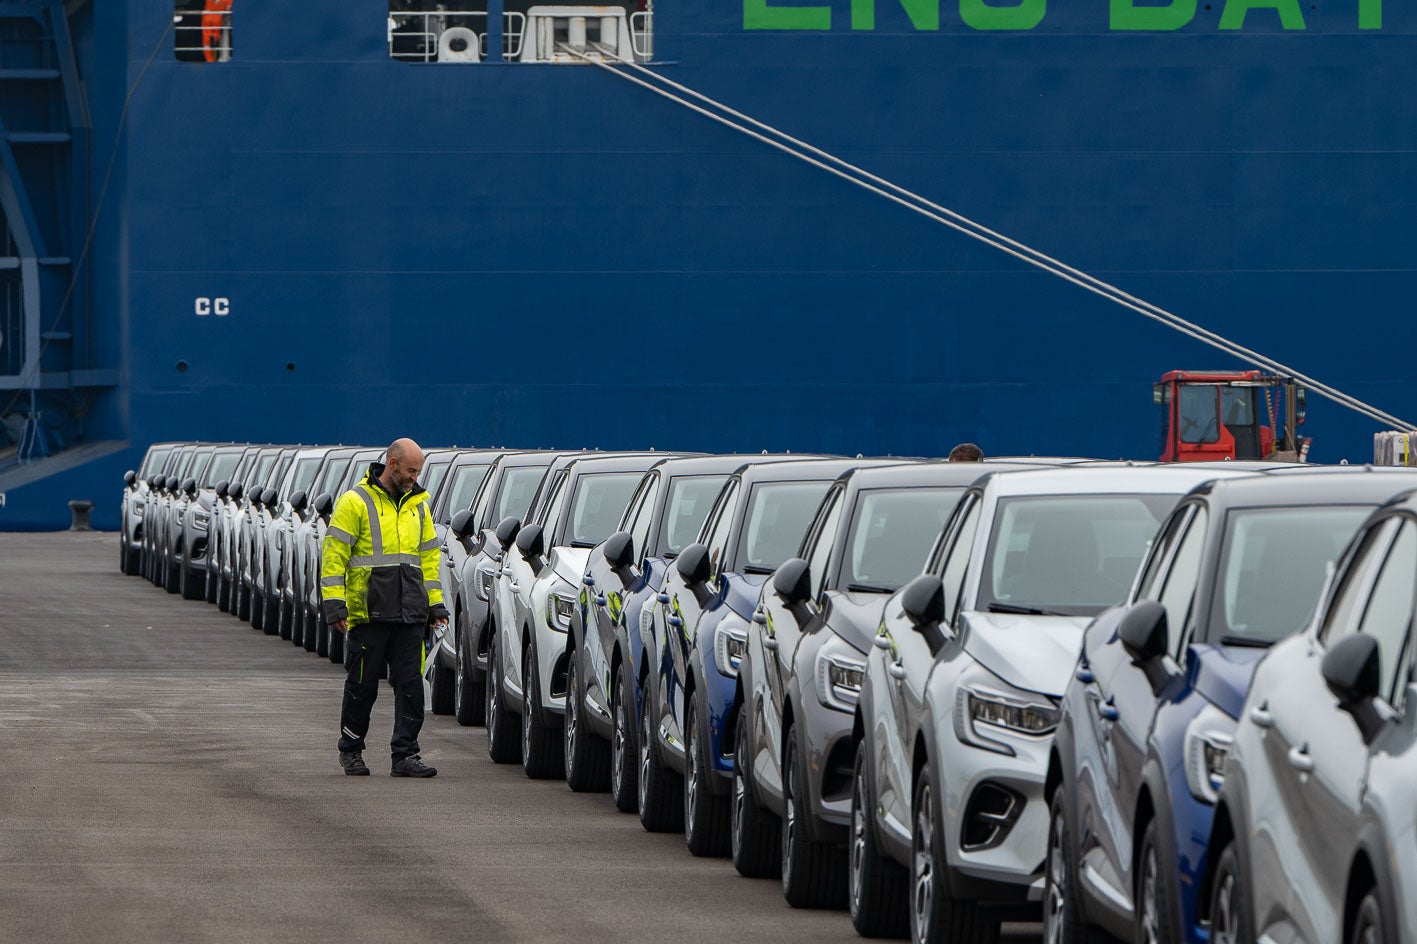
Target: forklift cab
1226 415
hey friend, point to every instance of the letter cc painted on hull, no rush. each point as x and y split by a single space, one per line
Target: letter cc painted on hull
221 307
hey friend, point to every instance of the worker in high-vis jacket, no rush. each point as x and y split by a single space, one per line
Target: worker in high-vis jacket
379 585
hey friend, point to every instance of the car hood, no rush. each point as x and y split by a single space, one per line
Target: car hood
568 563
855 617
1223 674
1035 653
741 592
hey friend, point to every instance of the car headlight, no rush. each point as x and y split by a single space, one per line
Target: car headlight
482 586
559 609
988 708
840 671
730 645
1208 740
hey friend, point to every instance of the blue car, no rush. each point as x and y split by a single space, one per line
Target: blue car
1150 713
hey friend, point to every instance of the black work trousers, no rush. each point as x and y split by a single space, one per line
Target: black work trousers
368 647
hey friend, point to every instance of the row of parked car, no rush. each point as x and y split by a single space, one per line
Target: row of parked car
1167 703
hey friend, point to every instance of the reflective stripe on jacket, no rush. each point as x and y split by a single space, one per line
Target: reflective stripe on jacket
380 556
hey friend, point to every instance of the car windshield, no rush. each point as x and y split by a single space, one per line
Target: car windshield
1273 566
891 535
221 468
305 471
155 460
329 478
463 486
778 516
200 466
598 504
690 499
518 489
1074 555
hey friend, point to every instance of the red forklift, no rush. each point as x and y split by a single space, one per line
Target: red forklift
1240 414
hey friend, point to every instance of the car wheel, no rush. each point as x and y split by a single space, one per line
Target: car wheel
541 748
1153 893
1368 925
502 743
171 577
316 622
813 873
755 832
1062 914
876 885
441 682
243 600
190 587
211 585
270 613
469 695
934 916
624 772
289 629
706 816
1229 914
587 756
660 789
132 560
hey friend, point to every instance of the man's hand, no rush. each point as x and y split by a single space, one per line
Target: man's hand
439 626
340 625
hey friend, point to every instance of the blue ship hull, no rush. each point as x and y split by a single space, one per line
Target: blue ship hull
539 255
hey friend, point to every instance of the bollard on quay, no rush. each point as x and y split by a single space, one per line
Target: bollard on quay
81 509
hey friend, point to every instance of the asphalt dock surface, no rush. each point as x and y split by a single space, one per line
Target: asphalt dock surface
168 773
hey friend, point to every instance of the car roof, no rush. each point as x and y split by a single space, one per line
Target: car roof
1140 479
783 470
1363 485
939 472
725 464
615 462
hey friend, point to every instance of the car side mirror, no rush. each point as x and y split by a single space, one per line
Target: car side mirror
619 550
130 478
298 501
508 529
270 498
792 582
461 523
1143 631
152 481
923 601
221 488
693 564
324 504
531 541
189 485
235 490
1352 671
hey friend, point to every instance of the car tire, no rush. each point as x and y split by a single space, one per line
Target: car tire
877 887
503 745
316 622
243 601
211 585
706 816
624 771
755 840
813 873
934 915
469 693
132 563
223 592
587 755
1369 926
171 577
270 614
1063 922
661 790
191 586
1229 901
441 683
1155 911
309 632
542 757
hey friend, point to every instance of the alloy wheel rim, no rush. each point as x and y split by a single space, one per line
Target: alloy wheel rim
740 797
1150 920
494 713
1223 921
789 822
526 706
691 788
1054 889
924 890
573 715
617 780
459 694
858 838
646 731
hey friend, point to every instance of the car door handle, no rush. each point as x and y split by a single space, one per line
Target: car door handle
760 617
897 671
882 642
1260 715
1107 711
663 598
1300 760
1084 675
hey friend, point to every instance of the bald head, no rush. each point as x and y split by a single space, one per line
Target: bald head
403 463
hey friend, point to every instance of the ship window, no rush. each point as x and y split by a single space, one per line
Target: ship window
201 30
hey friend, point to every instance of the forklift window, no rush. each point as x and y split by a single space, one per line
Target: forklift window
1238 405
1196 411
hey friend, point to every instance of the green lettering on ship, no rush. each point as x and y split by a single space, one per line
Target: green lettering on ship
1126 15
1290 16
1370 14
761 15
1018 15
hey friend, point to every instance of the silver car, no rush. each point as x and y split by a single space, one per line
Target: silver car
134 504
1315 834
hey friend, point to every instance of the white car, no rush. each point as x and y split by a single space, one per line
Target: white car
135 494
960 696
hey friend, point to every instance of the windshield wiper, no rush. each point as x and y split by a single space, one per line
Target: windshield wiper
867 588
997 607
1250 642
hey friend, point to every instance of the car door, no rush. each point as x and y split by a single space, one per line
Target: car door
607 597
518 575
1296 729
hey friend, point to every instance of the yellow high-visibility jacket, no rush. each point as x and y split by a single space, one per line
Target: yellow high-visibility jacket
380 557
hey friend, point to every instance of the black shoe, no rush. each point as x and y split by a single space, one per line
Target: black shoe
412 766
353 764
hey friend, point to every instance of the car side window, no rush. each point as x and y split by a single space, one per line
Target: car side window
1347 601
721 521
823 536
639 513
1153 571
1388 614
957 559
551 511
1183 575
